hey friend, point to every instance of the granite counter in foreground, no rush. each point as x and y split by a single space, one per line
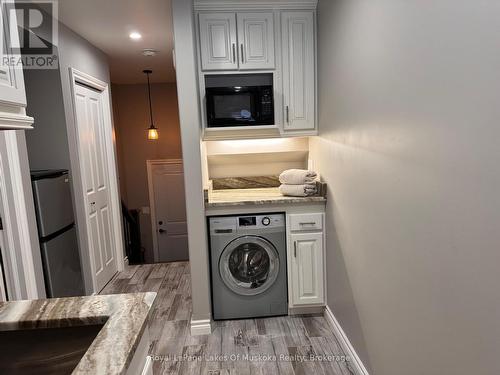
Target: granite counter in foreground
125 318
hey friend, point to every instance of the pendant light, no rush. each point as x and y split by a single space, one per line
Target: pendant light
152 130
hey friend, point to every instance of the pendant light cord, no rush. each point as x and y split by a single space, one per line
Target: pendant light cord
150 105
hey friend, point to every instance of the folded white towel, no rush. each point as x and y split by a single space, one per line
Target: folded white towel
297 177
304 190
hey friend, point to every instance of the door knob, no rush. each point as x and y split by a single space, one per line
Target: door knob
162 231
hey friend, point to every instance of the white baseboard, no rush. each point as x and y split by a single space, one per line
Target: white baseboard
201 327
355 362
306 310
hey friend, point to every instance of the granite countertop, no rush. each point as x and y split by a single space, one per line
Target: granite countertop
245 197
124 316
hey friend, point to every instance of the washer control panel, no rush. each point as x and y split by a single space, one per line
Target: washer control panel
233 224
261 221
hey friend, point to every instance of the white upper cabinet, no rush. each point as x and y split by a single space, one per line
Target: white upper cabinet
256 40
299 83
233 41
12 92
248 37
11 85
218 42
11 77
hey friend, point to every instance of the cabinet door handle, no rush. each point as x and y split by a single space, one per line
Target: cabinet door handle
287 110
242 56
234 53
295 249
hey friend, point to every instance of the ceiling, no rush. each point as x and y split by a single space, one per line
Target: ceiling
107 25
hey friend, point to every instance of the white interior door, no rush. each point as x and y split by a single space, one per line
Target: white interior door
168 202
96 180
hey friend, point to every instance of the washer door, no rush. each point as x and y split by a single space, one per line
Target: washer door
249 265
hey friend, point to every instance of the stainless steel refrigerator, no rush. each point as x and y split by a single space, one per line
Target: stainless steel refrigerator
57 233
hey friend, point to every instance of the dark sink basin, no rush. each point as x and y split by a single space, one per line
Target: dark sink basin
54 351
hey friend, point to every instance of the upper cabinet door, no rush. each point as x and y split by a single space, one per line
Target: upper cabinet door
218 41
298 70
11 77
256 40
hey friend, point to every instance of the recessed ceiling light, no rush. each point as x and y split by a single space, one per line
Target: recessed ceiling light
135 35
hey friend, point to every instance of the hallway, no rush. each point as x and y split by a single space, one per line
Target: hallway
240 347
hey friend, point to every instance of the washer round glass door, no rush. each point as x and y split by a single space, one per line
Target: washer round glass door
249 265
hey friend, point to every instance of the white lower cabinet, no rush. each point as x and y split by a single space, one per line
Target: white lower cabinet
306 267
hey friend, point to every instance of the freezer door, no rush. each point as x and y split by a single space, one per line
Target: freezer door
61 263
54 206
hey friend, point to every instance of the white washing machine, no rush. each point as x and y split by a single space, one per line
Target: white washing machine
248 266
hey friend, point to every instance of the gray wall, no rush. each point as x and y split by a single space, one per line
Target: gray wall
409 108
48 92
48 141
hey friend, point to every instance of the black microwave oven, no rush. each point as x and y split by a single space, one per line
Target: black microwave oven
239 106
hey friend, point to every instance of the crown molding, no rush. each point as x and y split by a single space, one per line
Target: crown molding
200 5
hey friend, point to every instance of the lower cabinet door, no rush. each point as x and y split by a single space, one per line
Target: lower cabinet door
307 269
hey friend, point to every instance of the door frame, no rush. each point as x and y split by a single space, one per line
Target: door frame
79 77
149 166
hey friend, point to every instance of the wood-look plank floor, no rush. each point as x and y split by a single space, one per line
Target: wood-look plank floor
282 345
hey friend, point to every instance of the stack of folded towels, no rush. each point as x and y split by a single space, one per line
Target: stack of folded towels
298 183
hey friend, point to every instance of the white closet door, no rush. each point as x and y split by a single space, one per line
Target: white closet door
298 70
96 179
218 41
256 40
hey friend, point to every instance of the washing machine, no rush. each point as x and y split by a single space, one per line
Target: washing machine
248 266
